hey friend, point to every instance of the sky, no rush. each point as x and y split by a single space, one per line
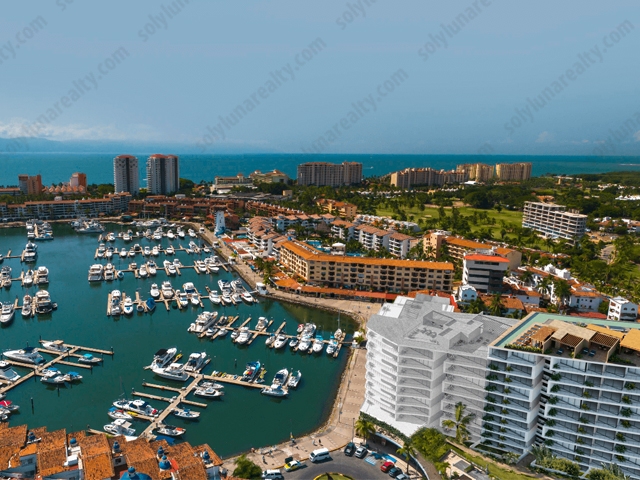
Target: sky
357 76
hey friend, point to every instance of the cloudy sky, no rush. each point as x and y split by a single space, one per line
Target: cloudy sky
357 76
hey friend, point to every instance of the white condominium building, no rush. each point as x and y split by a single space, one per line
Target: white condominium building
554 220
126 174
623 310
163 174
423 358
484 270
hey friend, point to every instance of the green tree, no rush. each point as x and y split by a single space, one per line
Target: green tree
460 422
496 305
364 428
245 468
407 451
431 443
562 291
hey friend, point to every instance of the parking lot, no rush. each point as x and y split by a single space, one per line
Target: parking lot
339 463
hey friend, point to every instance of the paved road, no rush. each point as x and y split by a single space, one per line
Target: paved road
340 463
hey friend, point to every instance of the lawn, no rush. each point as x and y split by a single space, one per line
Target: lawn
494 469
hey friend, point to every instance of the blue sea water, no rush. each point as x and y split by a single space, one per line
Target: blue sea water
58 167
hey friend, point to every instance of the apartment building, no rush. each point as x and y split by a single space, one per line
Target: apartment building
434 243
238 180
567 382
343 230
78 179
480 172
380 274
423 358
400 244
554 221
484 271
30 184
410 177
111 204
11 191
372 238
341 209
163 174
513 172
621 309
126 174
274 176
329 174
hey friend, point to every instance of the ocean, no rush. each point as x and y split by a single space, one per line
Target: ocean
58 167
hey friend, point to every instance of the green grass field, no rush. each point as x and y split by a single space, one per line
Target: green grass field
495 469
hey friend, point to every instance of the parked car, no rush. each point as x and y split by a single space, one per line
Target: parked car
386 466
291 464
350 449
394 472
361 452
402 476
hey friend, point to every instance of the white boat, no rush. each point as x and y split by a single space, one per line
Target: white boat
338 334
132 252
280 342
186 413
294 379
275 391
142 272
170 250
183 299
236 298
155 291
206 249
120 427
27 279
7 313
96 273
214 297
177 263
53 376
293 343
109 253
318 344
170 431
137 248
43 302
192 233
7 373
270 340
30 253
175 371
127 237
118 414
133 266
203 322
208 392
180 233
72 377
201 266
171 235
243 336
167 290
127 306
309 329
136 406
116 299
123 253
222 332
262 324
281 377
163 357
211 331
110 237
196 362
43 275
215 385
305 344
332 346
89 358
247 297
5 276
152 268
226 298
54 346
26 305
172 269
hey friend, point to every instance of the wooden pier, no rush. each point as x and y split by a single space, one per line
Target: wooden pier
233 381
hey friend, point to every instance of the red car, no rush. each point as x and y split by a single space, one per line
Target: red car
386 466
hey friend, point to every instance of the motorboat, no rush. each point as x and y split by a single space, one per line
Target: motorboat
191 233
206 249
247 297
309 329
26 306
120 427
5 276
111 237
280 342
318 344
189 288
172 269
201 266
251 371
109 272
167 290
109 253
127 306
155 252
222 332
54 346
30 253
118 414
270 340
96 273
89 359
180 233
294 379
155 291
90 227
170 431
195 300
214 297
72 377
9 406
136 406
116 299
152 268
217 386
236 298
150 304
24 355
137 248
208 392
170 250
332 346
243 336
175 371
185 413
163 357
275 391
224 285
262 324
281 377
7 372
123 253
196 362
177 263
53 376
132 252
101 250
234 335
226 298
183 299
338 334
147 251
42 274
293 343
171 235
133 266
143 272
127 236
305 344
211 331
203 322
7 313
43 302
27 279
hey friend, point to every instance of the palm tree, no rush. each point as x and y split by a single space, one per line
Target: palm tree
615 471
510 458
460 423
543 286
364 428
495 308
562 291
407 451
540 453
526 277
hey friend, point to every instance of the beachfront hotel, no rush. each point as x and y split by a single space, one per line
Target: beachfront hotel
554 221
329 174
125 174
360 273
163 174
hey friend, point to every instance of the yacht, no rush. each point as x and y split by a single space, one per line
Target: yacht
177 263
208 392
127 236
247 297
116 299
318 344
281 377
192 233
222 332
142 272
7 373
293 343
7 313
226 298
280 342
186 413
332 346
275 391
136 406
155 291
30 252
90 227
252 369
146 251
52 375
243 336
224 285
137 248
183 299
127 306
271 338
170 250
118 414
309 329
43 275
203 322
262 324
152 268
201 266
196 362
180 233
163 357
214 297
170 431
43 302
236 298
26 305
54 346
167 290
5 276
96 273
24 355
123 253
72 377
171 268
27 279
305 344
171 235
294 379
89 359
109 273
101 250
155 252
189 288
120 427
175 371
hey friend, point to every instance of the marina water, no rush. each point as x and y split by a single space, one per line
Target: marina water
242 419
